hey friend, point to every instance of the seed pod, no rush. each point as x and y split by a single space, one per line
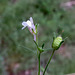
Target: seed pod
57 42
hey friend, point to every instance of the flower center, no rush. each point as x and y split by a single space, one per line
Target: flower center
29 23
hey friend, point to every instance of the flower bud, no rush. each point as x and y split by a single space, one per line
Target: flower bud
56 43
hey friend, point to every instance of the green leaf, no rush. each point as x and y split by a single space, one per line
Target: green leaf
36 44
65 38
43 45
28 49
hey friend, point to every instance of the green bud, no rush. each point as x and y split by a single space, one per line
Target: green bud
57 42
40 49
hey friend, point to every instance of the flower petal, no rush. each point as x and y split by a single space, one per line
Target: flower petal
31 19
24 23
23 27
29 23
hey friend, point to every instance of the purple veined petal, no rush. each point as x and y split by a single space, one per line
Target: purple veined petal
24 23
31 19
33 26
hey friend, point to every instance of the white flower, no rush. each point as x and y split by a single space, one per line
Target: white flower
26 24
29 23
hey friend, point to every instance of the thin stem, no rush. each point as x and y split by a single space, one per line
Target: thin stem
39 63
38 54
48 62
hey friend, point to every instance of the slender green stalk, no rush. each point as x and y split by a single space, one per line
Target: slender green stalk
38 53
48 62
39 63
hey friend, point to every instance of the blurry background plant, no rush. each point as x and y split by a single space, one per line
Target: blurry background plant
52 17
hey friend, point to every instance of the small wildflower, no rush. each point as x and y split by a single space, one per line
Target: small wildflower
29 23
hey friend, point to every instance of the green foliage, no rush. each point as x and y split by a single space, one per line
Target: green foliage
48 13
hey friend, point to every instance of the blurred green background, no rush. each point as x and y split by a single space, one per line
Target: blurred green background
17 49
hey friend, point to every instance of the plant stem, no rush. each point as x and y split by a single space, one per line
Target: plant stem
38 54
48 62
39 63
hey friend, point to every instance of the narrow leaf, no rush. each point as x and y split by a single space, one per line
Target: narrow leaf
43 45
